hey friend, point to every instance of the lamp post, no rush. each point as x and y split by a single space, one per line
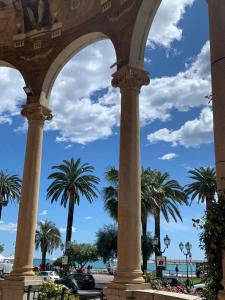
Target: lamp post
156 245
188 247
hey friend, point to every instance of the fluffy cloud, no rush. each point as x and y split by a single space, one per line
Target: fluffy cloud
181 92
9 227
44 212
192 134
11 87
165 28
79 115
168 156
83 115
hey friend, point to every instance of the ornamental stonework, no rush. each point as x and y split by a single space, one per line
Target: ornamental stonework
130 78
36 112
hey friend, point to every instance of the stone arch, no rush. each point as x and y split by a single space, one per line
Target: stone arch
6 64
142 26
65 55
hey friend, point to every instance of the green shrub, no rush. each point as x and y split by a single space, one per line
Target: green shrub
52 291
154 283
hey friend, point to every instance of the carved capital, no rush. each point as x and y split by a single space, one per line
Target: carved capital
36 112
130 78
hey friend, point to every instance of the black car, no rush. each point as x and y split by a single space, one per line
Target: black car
84 281
69 283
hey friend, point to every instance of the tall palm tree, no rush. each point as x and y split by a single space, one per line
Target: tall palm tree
47 238
70 181
203 186
168 194
10 188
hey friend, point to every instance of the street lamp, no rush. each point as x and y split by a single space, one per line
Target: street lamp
156 245
188 247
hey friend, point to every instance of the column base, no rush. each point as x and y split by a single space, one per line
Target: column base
14 289
129 277
116 291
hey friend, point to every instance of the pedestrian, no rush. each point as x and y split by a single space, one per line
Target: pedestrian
177 270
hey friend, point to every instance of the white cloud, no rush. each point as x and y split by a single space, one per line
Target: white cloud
11 87
79 119
63 229
68 147
44 212
88 218
165 28
168 156
9 227
192 134
181 92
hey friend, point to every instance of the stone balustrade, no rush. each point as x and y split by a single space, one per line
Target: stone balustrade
146 295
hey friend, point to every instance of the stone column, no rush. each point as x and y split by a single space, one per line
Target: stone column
27 219
129 80
217 43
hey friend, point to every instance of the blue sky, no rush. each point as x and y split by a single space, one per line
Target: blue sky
176 121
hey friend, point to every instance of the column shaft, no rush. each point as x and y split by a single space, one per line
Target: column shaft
129 271
217 44
27 218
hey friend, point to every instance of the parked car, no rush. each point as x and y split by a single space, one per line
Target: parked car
84 281
5 269
49 275
70 283
198 288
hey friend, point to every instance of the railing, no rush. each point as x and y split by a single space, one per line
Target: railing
32 293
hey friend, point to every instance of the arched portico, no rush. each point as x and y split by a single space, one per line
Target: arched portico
40 55
140 34
60 61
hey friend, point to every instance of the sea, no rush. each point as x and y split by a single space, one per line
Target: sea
170 268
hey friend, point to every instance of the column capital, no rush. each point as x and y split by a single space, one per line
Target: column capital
130 78
36 112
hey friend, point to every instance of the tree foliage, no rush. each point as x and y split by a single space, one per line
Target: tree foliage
71 180
47 238
203 185
106 242
10 189
1 248
81 254
213 242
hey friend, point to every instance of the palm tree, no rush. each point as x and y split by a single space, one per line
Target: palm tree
168 194
71 180
47 238
10 188
203 186
110 193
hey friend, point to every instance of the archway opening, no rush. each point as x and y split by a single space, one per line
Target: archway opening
86 113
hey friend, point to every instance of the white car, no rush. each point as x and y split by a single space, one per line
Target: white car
198 288
49 275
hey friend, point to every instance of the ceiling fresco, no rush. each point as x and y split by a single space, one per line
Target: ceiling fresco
20 19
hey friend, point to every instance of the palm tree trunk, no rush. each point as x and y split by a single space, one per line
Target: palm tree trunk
208 201
144 244
157 234
0 212
43 260
70 219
